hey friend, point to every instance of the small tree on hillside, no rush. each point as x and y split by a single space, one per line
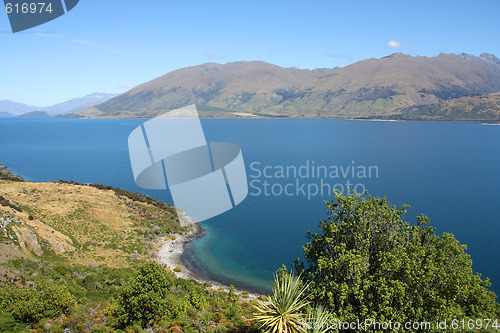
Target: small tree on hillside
147 297
367 263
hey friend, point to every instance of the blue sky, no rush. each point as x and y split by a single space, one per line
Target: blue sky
112 45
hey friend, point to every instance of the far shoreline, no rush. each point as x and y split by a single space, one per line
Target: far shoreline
260 117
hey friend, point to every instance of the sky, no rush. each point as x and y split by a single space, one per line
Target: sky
112 45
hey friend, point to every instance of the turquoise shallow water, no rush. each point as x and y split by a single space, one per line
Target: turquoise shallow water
449 171
201 256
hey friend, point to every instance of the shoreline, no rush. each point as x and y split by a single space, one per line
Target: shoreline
171 254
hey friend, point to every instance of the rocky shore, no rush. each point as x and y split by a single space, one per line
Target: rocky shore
170 254
7 175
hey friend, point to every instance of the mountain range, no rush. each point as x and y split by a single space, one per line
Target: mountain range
9 108
398 86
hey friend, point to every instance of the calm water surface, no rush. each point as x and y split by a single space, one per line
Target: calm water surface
448 171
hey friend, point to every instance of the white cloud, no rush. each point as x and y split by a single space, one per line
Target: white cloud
395 44
341 55
92 44
411 48
126 86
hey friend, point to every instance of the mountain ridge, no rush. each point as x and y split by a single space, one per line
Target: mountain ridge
10 108
371 88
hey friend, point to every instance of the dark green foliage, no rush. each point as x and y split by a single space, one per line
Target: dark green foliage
86 284
367 263
107 299
197 300
209 92
155 295
232 295
329 94
366 94
291 94
147 296
246 96
31 304
448 92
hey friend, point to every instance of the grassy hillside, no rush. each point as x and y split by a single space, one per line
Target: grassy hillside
80 224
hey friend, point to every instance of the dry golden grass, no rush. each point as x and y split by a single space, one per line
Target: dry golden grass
81 224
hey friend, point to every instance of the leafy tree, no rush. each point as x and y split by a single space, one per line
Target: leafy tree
146 297
368 263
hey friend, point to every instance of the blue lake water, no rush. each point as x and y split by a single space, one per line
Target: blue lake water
448 171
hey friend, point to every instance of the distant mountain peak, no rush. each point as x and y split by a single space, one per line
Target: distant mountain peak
80 103
399 54
490 57
72 105
15 108
99 95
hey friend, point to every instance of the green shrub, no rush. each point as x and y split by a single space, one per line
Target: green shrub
231 296
146 297
61 269
31 304
197 300
8 323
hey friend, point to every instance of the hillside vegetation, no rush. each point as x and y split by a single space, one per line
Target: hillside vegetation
479 107
77 257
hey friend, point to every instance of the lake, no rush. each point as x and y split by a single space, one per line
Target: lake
446 170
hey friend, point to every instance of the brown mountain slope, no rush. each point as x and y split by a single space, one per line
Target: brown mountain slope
226 86
369 88
380 86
